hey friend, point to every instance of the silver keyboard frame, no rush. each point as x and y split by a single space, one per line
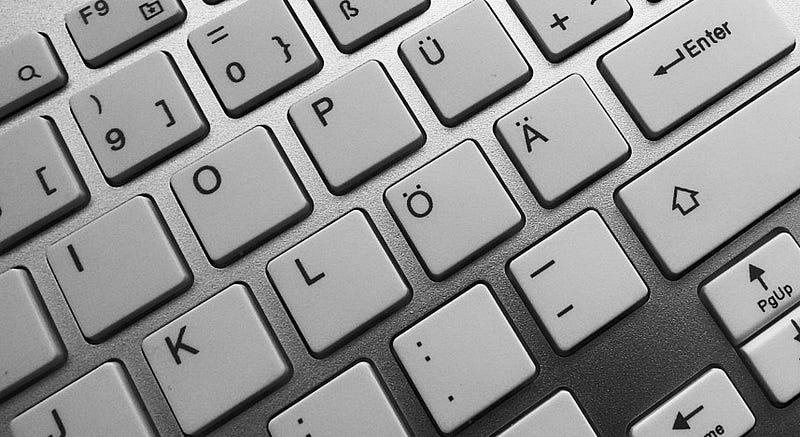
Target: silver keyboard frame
615 377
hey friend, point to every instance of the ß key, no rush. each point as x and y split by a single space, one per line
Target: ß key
29 71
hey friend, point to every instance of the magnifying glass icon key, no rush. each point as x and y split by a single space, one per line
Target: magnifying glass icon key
27 73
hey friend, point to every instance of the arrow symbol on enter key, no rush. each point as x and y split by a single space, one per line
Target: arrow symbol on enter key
664 69
757 274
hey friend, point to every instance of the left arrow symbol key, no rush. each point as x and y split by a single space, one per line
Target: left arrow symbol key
682 422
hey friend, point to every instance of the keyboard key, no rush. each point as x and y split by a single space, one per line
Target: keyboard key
562 140
578 281
354 403
712 189
464 358
360 116
40 181
248 182
561 28
464 62
117 267
215 358
105 29
758 288
138 116
693 57
30 70
559 415
710 405
452 209
355 23
252 53
101 403
338 281
31 347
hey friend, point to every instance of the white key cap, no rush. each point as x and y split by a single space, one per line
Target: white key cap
560 415
138 116
355 23
338 281
452 355
40 181
352 404
241 194
710 190
464 62
30 70
31 347
101 403
360 116
693 57
215 358
710 405
452 209
252 53
773 356
562 140
117 267
561 28
761 286
105 29
578 281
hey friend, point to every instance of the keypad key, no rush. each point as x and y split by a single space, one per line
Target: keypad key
352 404
361 116
355 23
138 116
117 267
105 29
101 403
562 140
215 358
249 182
252 53
464 358
31 347
578 281
40 181
452 209
560 415
338 281
30 70
464 62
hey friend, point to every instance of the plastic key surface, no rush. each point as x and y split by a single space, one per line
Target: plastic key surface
29 71
560 415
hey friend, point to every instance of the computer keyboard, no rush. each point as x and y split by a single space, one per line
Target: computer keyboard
410 217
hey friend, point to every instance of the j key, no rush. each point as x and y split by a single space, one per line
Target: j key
693 57
560 415
30 70
712 189
105 29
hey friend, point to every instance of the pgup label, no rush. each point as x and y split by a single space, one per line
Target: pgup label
775 298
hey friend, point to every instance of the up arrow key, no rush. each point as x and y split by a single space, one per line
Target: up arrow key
684 200
756 274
